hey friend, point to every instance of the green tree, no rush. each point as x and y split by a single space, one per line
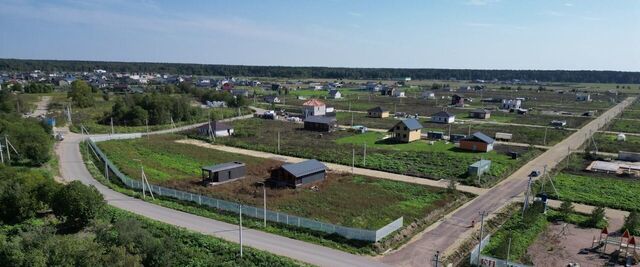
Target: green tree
597 215
77 203
81 94
22 193
566 209
632 223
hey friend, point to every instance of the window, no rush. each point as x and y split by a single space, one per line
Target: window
404 136
397 127
405 128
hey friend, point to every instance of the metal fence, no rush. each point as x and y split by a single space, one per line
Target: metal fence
273 216
489 261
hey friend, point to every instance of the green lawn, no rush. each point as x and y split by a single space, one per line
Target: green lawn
598 190
354 201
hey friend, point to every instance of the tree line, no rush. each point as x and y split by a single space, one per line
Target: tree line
586 76
154 109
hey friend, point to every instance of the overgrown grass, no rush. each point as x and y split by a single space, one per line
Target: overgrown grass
625 126
609 143
522 234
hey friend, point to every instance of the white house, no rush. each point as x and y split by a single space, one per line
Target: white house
334 94
428 95
314 107
443 117
583 97
510 104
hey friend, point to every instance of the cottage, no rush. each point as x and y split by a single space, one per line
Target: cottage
511 104
480 114
299 174
314 107
406 131
398 93
334 94
504 136
378 112
457 100
373 87
271 99
320 123
223 172
443 117
479 168
583 97
428 95
215 129
477 142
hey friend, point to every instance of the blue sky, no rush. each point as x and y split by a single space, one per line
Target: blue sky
482 34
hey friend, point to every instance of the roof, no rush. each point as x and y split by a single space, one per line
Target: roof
484 111
412 124
314 103
482 137
443 114
376 109
223 166
481 163
320 119
333 92
304 168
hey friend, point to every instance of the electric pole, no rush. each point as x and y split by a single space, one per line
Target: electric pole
436 259
240 228
112 131
353 159
352 119
264 203
545 135
526 197
364 158
278 142
482 214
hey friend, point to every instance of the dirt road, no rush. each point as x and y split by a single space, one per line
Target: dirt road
447 232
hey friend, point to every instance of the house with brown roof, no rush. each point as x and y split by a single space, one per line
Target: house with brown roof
314 107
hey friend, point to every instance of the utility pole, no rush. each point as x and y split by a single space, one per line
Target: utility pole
509 249
482 214
364 157
353 159
6 142
449 130
240 228
106 170
352 119
1 153
526 197
436 259
349 106
469 132
264 204
278 142
147 123
112 131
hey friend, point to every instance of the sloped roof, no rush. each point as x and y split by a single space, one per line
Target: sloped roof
443 114
320 119
376 109
481 137
481 111
333 92
216 126
304 168
314 103
223 166
412 124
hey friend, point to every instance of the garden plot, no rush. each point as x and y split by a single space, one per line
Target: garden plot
416 159
353 201
521 134
597 189
625 126
610 143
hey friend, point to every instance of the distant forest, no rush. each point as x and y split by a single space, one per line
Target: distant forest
582 76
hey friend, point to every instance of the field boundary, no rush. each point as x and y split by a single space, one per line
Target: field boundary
247 210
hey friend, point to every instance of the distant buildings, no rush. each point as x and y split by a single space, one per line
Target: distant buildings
334 94
457 100
314 107
320 123
477 142
480 114
377 112
583 97
511 104
443 117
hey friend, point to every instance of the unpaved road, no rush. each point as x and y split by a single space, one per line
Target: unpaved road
447 232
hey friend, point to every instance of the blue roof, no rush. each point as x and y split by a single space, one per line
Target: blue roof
482 137
304 168
412 124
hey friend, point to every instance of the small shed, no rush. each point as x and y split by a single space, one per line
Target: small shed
223 172
456 137
479 168
480 114
320 123
621 137
435 135
443 117
477 142
299 174
378 112
504 136
558 123
217 129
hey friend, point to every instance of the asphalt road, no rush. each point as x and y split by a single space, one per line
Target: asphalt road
73 168
456 226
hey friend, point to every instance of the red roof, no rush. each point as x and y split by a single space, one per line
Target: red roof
314 103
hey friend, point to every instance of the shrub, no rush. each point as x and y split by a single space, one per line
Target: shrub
77 203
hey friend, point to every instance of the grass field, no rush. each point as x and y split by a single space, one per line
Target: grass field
625 126
421 161
354 201
538 119
609 143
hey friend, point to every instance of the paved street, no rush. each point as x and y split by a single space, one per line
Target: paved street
448 231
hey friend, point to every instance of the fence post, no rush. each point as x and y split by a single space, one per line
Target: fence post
199 199
217 204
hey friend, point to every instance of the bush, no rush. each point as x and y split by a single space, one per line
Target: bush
81 94
566 209
632 223
77 203
30 139
596 216
23 193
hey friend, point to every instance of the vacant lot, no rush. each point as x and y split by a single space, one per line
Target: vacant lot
625 126
538 119
417 159
521 134
609 143
354 201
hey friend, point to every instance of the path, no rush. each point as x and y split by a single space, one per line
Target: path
449 231
337 167
41 107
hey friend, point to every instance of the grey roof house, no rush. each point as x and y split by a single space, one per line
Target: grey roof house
299 174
